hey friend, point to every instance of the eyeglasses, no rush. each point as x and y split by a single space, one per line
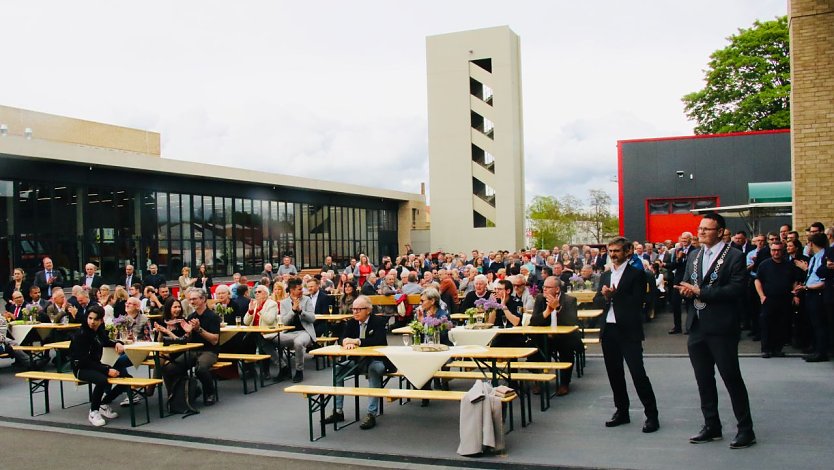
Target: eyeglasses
518 285
358 309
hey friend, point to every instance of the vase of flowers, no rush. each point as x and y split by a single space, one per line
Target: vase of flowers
124 327
470 313
428 331
576 282
488 306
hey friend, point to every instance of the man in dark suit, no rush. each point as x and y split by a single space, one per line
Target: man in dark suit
48 278
554 307
91 281
363 330
321 304
714 280
676 263
128 278
622 291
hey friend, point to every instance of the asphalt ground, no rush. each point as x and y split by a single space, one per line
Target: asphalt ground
790 401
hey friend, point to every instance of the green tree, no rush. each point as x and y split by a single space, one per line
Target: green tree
552 220
748 83
603 224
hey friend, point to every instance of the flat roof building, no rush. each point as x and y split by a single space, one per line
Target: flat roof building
102 194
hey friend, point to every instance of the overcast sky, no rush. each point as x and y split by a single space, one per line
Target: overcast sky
336 90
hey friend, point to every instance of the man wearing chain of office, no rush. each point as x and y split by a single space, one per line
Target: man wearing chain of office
712 284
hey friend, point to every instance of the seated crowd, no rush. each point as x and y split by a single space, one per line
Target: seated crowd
790 301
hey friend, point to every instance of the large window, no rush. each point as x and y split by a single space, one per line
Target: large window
112 227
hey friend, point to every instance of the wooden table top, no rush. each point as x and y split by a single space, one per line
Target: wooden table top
463 352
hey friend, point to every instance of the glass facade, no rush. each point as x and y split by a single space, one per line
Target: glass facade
111 226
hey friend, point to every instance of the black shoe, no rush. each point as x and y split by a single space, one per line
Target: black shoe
210 399
743 440
816 358
336 417
651 425
766 355
424 403
675 331
298 377
368 422
620 417
707 434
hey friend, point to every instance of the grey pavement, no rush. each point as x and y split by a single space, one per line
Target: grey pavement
790 402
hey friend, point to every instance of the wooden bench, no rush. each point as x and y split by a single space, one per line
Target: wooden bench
35 353
318 397
524 379
247 362
542 366
39 383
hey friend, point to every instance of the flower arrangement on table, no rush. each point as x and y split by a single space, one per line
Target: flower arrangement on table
576 282
428 330
222 310
30 315
124 327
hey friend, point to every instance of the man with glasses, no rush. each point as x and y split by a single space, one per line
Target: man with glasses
552 308
714 280
363 330
521 295
297 311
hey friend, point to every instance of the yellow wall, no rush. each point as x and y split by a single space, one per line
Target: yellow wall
812 110
78 131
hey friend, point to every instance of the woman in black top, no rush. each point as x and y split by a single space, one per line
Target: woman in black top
85 354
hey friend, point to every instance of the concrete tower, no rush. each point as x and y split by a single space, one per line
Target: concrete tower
476 147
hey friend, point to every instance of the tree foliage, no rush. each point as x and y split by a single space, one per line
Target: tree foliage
603 224
747 83
555 221
551 220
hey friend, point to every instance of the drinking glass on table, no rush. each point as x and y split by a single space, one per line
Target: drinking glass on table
330 309
407 339
238 320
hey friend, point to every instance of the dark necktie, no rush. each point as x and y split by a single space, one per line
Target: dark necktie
17 312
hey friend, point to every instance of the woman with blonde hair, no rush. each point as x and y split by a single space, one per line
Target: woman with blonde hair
186 281
279 293
119 300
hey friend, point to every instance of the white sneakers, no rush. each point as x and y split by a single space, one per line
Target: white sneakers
136 400
108 412
96 419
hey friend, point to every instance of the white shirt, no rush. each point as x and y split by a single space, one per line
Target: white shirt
708 257
616 275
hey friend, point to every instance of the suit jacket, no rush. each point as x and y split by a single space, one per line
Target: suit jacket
97 282
120 281
375 335
627 301
9 290
678 266
268 317
40 281
322 303
720 316
566 316
307 316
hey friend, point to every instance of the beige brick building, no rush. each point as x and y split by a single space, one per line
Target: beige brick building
812 110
